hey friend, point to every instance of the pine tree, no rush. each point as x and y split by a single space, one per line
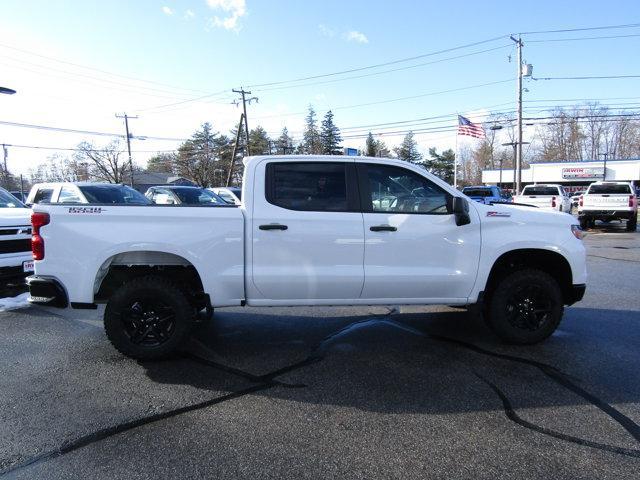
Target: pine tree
330 136
408 149
375 148
440 165
284 143
370 146
311 137
259 141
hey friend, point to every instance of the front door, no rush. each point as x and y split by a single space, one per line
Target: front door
413 248
307 232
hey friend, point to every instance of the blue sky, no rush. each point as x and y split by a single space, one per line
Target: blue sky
192 48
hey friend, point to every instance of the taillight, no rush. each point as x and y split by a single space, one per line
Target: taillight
38 219
631 199
553 202
581 203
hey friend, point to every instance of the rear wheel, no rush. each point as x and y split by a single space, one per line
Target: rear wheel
526 307
148 318
632 223
584 223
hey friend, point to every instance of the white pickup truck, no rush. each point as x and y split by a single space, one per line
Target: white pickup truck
311 230
549 197
608 201
15 239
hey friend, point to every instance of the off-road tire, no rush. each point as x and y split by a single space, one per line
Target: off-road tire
513 321
152 294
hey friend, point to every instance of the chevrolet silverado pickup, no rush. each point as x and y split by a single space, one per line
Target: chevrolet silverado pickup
549 197
608 201
311 230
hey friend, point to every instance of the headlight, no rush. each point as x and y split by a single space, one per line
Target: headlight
577 232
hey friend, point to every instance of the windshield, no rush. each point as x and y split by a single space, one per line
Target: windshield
113 194
9 201
610 188
477 192
540 191
197 196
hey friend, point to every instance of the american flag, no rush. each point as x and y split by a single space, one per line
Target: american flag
467 127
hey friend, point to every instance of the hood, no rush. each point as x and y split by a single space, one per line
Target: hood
10 217
520 215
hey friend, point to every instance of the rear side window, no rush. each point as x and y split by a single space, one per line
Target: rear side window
478 192
68 195
611 188
540 191
43 195
319 187
113 194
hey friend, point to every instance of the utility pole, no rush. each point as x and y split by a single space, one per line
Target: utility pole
604 172
235 150
518 164
5 172
243 92
126 127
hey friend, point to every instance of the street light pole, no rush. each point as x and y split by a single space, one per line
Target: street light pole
604 172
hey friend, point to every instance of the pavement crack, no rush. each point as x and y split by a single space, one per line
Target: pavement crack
514 417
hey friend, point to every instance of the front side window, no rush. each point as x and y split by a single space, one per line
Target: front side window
397 190
320 187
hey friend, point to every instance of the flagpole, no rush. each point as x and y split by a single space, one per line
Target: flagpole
455 160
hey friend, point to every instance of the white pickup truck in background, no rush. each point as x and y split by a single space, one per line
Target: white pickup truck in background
311 230
15 239
608 201
546 196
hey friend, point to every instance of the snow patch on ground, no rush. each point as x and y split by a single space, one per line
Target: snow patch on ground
14 303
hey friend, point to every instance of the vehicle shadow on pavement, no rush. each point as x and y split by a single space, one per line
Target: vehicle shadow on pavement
439 363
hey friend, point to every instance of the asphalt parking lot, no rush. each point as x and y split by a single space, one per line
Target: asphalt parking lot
334 393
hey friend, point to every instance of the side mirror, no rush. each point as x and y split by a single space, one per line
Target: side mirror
460 210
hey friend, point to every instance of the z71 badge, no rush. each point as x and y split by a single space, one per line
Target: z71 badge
86 210
498 214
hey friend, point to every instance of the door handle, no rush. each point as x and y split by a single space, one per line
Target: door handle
273 226
383 228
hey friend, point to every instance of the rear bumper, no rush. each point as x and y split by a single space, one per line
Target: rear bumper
606 214
47 291
13 273
576 294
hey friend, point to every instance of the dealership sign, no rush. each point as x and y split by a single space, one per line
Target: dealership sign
583 173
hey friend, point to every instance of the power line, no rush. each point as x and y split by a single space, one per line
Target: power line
603 77
582 38
584 29
83 132
95 69
384 71
368 67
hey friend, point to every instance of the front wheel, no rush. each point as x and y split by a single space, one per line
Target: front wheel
148 318
526 307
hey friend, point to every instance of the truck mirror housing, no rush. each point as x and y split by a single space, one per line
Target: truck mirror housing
460 209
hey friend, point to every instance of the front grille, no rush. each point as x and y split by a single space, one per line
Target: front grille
15 246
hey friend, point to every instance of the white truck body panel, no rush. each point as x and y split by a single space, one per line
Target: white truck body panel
323 258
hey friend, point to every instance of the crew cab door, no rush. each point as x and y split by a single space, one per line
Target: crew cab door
413 248
307 232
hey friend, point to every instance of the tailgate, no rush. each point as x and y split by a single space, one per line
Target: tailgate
606 201
537 200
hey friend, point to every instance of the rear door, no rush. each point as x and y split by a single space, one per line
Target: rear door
413 248
307 232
